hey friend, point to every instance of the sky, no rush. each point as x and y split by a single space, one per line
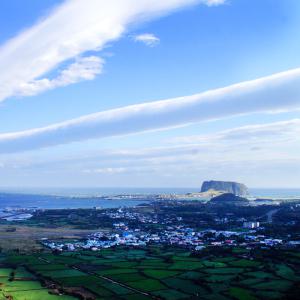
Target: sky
148 93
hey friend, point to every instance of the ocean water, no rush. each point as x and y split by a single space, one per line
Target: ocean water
43 201
86 197
275 193
91 192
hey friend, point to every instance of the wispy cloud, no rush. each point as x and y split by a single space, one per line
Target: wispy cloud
242 151
107 171
279 92
238 152
277 132
148 39
86 68
70 30
215 2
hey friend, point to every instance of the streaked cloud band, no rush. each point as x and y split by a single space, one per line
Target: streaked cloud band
279 92
58 38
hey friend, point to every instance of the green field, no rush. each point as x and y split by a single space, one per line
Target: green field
163 273
19 284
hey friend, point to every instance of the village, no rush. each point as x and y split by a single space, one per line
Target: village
136 229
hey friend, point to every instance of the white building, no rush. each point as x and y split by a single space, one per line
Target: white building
251 225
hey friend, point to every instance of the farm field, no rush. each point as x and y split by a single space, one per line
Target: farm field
20 284
26 237
151 273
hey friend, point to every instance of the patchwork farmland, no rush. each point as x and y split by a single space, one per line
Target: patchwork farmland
151 273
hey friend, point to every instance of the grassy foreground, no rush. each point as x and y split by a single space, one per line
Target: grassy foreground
152 273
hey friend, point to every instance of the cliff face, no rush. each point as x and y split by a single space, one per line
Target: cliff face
235 188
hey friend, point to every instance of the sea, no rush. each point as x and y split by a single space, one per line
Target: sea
60 198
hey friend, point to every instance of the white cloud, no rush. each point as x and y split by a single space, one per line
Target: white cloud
269 94
148 39
86 68
108 171
271 150
215 2
277 132
262 136
71 29
253 147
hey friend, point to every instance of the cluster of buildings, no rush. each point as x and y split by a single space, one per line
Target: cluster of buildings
133 227
133 216
178 235
251 225
16 213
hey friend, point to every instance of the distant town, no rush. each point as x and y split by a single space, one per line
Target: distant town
133 227
221 214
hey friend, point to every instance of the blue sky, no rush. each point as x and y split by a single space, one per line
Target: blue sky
198 46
